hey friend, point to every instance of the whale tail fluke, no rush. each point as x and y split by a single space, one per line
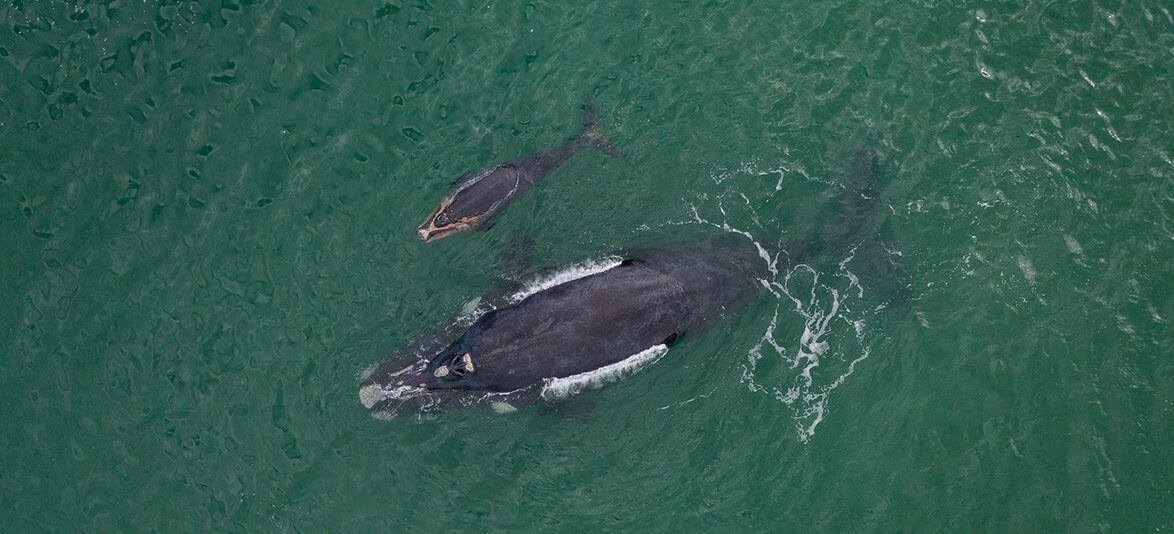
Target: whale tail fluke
590 134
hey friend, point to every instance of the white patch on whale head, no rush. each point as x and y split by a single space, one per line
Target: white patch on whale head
562 276
370 370
557 388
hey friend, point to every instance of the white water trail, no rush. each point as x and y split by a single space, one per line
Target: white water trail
476 308
568 274
557 388
801 371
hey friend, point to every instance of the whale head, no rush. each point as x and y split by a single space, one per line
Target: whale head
444 221
448 379
472 202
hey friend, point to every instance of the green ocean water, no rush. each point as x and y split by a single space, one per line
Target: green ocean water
208 212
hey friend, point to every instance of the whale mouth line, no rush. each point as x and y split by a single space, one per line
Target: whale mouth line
429 230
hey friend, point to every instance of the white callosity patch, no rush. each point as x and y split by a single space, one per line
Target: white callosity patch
372 394
557 388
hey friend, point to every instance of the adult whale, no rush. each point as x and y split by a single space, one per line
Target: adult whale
476 197
601 321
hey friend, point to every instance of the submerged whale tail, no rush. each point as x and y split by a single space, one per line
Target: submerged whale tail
590 134
859 226
860 216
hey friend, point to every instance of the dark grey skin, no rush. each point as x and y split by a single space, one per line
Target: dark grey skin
650 299
477 197
655 296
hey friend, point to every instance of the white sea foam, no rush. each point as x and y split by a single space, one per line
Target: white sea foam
478 307
1028 269
557 388
834 336
1073 245
562 276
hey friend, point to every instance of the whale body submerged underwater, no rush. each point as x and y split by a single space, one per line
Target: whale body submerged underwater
595 323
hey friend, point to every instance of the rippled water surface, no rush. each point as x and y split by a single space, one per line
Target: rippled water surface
208 212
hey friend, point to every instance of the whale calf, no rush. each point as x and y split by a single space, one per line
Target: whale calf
570 331
476 197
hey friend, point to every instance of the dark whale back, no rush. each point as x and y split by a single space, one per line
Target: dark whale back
602 318
720 275
482 192
573 328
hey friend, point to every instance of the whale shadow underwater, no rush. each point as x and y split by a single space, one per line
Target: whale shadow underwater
595 322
